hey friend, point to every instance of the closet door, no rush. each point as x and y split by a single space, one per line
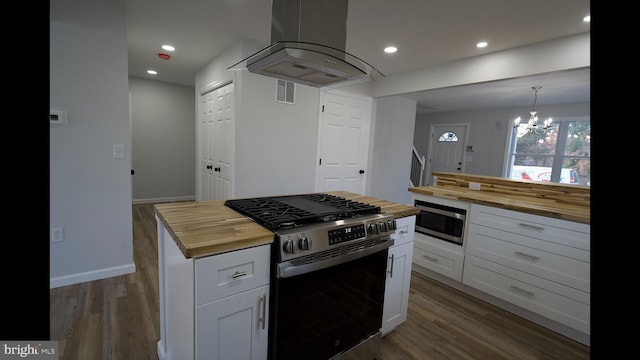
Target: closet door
216 144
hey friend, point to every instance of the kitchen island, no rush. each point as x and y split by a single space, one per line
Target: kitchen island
525 248
214 264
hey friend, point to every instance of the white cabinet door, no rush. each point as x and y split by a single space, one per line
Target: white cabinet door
396 295
235 327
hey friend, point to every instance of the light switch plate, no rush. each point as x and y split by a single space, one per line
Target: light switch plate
118 151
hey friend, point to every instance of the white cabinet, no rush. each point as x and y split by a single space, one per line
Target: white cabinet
539 263
440 256
234 327
214 307
232 293
396 296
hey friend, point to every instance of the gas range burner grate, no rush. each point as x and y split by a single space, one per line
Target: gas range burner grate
298 210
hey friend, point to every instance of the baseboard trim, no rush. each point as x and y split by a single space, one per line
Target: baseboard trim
164 199
91 275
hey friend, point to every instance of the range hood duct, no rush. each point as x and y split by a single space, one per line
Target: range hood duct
308 41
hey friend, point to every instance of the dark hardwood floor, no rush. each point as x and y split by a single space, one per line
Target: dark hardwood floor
118 318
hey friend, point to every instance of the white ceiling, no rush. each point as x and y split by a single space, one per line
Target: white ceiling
426 32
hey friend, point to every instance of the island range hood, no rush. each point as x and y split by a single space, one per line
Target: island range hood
308 40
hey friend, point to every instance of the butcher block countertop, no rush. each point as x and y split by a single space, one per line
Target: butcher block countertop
203 228
561 201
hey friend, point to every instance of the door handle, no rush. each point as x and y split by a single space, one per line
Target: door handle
217 169
209 167
133 171
361 171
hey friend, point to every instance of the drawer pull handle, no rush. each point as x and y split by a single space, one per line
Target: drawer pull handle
263 318
238 274
391 267
528 256
522 291
403 232
432 259
533 227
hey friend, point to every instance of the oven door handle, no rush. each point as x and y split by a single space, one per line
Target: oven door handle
287 269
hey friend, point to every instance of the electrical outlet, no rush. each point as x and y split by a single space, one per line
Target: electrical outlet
57 234
474 186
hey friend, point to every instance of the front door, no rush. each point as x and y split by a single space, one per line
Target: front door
343 141
446 150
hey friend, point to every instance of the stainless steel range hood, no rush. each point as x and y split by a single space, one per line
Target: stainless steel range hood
308 39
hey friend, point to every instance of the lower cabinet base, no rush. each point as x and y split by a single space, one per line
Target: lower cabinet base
533 317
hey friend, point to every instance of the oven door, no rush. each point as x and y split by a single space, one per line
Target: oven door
322 313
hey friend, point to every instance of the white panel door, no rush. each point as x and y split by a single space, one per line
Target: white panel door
216 144
207 161
343 142
446 149
223 141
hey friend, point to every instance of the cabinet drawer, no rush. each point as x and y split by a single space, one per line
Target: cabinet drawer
219 276
552 261
405 228
438 259
560 303
568 233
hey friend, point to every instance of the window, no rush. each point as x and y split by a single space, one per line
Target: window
561 155
448 136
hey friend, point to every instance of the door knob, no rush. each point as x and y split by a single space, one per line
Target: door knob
217 169
361 171
209 167
133 171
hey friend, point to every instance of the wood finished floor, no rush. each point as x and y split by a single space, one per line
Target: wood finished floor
118 318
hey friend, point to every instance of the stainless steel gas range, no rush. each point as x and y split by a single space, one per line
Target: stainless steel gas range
328 277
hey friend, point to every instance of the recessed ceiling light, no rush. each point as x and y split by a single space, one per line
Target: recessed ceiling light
168 47
482 44
152 72
390 49
587 18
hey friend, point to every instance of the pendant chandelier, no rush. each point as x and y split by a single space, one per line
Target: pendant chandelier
532 125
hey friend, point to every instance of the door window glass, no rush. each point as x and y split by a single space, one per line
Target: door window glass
448 136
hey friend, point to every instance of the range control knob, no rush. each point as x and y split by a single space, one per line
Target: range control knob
304 243
289 247
373 228
391 224
382 226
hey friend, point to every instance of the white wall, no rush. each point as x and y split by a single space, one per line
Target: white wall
275 144
489 132
163 141
90 191
391 153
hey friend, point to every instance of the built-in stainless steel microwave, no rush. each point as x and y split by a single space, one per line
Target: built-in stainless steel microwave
441 221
